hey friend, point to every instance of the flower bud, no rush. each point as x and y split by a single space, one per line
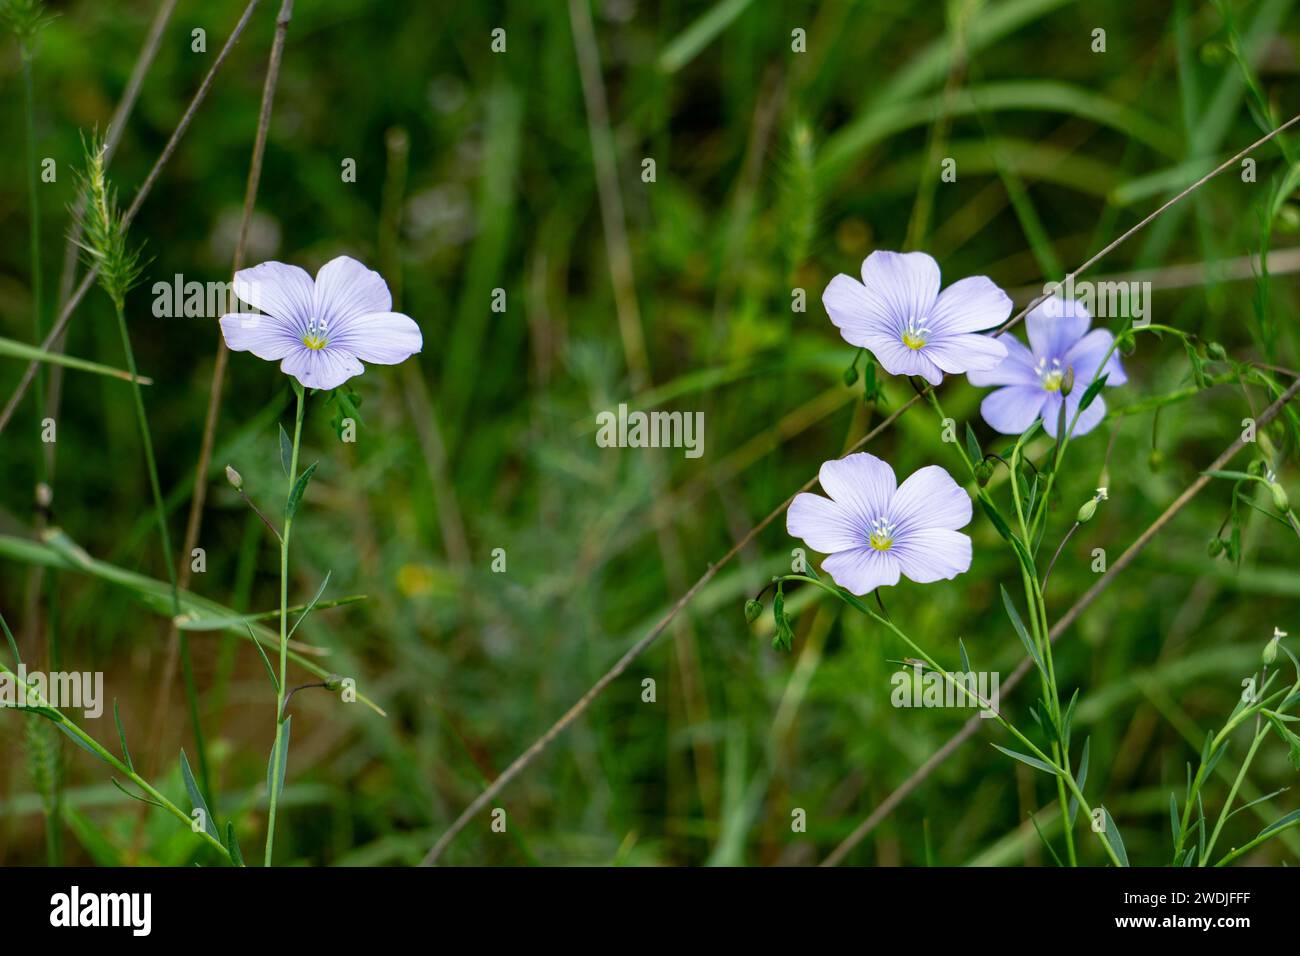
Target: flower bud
983 472
753 610
1280 500
1215 547
1156 459
333 682
1086 512
850 375
1270 652
1216 351
235 478
1067 382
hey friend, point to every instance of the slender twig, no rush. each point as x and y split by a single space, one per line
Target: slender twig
527 757
891 802
65 315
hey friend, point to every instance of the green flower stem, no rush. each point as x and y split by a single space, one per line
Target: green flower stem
1202 770
106 755
284 631
1062 773
187 667
1037 621
1232 792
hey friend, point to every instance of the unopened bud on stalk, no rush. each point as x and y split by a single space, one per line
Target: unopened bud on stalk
333 682
1215 547
1067 382
753 610
1280 500
1270 652
1216 351
235 478
1089 507
983 472
850 375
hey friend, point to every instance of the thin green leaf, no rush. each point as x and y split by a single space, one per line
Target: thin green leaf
232 844
973 446
284 761
312 603
270 671
13 645
1044 841
1020 630
1081 778
299 488
286 453
196 799
121 735
1114 839
1026 759
22 350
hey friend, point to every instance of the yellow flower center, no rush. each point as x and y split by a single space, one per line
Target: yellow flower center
1052 381
882 534
315 338
915 334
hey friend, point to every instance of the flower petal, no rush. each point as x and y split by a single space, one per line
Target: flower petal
321 368
972 304
1055 325
906 284
1086 357
824 525
854 311
1089 420
266 336
932 554
861 484
346 289
862 570
384 338
965 352
929 498
1018 368
897 359
277 289
1012 409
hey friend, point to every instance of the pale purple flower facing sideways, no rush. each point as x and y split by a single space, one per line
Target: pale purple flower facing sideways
874 529
320 331
1032 378
898 313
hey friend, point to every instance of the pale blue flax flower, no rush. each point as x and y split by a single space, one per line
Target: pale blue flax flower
1062 352
874 529
898 313
320 331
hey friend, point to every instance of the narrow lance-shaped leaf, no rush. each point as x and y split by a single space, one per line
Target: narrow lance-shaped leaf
275 772
1020 630
121 736
286 453
1026 759
299 488
196 799
1114 839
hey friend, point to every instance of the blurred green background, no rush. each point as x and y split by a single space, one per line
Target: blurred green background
774 170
